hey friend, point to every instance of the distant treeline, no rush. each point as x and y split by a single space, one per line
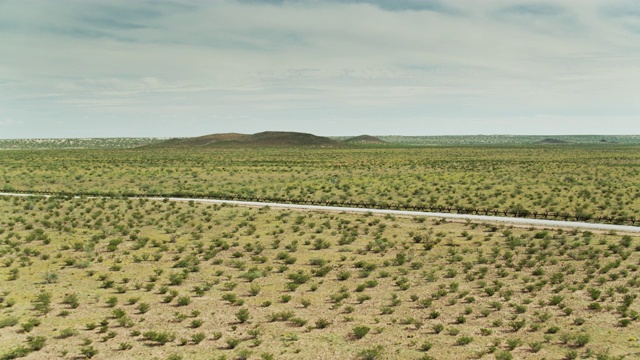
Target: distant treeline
86 143
510 139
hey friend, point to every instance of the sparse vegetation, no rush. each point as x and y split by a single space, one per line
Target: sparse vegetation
584 181
159 278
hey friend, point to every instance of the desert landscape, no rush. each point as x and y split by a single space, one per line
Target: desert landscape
109 275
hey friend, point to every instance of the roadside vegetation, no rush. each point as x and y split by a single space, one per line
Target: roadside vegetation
588 181
123 279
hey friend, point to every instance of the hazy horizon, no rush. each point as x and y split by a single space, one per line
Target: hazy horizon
99 69
344 136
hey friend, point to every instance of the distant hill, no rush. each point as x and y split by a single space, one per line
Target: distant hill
552 141
364 139
200 140
266 139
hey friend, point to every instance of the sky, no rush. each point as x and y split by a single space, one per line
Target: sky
167 68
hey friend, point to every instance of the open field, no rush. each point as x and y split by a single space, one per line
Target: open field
150 279
582 180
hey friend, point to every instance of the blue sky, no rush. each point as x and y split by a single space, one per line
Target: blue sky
89 68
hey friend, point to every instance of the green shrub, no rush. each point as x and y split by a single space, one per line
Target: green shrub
254 289
624 322
88 351
426 346
233 342
68 332
299 322
571 355
18 352
71 300
594 293
242 315
513 343
36 343
42 303
503 355
322 323
344 275
161 338
143 308
372 353
553 329
516 325
198 337
581 339
556 300
50 277
535 346
595 306
243 354
183 301
360 331
8 321
196 323
29 325
112 301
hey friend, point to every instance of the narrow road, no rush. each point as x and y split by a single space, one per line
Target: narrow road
507 220
511 220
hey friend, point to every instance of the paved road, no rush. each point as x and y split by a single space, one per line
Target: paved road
508 220
511 220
